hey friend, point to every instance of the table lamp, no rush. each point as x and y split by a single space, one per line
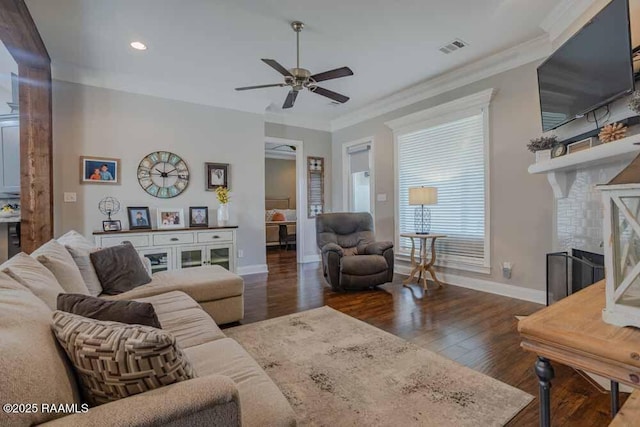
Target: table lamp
419 197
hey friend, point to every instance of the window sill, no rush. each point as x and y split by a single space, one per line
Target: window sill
453 265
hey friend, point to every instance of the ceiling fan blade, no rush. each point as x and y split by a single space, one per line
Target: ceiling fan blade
276 66
333 74
291 99
260 86
330 94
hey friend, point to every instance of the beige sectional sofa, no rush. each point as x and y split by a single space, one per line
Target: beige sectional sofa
230 389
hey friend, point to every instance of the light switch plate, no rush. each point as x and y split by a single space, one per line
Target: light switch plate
70 197
382 197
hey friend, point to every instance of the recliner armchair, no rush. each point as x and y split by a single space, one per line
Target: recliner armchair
351 258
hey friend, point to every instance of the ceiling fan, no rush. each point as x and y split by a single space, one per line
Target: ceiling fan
299 78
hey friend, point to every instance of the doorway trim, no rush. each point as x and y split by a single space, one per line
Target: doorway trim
346 179
301 191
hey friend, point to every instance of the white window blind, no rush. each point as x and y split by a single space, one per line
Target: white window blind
450 157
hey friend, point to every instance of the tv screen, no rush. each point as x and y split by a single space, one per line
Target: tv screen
590 70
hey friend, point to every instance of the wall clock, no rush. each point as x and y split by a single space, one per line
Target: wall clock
163 174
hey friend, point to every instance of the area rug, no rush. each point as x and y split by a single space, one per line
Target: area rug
338 371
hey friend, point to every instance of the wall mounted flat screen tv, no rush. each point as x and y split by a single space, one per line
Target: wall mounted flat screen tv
590 70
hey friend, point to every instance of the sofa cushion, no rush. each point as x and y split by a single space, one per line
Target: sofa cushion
83 262
261 402
119 268
200 283
35 277
114 360
76 240
34 369
59 261
182 316
363 265
130 312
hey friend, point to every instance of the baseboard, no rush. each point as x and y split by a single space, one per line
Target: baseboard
482 285
310 258
253 269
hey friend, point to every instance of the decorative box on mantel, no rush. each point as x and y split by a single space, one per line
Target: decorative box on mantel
621 226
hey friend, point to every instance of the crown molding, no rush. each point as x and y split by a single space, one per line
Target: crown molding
477 100
564 15
297 121
508 59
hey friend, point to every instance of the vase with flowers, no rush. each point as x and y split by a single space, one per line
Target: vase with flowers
222 194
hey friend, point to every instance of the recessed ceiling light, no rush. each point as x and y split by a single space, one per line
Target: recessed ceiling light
139 45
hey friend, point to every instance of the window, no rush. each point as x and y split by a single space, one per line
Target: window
449 153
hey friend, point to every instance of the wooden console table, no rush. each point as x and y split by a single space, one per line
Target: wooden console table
422 266
573 333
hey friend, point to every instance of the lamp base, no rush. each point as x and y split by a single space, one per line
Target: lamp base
422 220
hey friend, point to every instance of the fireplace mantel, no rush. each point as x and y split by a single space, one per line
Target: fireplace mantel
559 170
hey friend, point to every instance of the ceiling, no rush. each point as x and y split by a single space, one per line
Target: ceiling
199 50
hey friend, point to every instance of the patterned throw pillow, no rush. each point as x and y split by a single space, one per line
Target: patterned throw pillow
114 360
268 215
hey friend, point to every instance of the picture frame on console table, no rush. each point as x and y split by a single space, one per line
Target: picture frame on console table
171 218
139 218
198 216
112 225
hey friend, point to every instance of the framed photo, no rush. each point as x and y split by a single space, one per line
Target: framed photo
113 225
139 218
198 216
99 170
171 218
217 175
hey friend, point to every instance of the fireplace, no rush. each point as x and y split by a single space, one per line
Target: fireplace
569 273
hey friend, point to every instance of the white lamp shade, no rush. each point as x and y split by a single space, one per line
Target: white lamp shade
423 196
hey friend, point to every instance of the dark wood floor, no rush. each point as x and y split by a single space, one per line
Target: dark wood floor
473 328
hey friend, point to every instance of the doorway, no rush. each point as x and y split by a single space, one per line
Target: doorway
285 201
358 176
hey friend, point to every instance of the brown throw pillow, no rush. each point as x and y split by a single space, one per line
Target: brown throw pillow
113 360
278 216
119 269
130 312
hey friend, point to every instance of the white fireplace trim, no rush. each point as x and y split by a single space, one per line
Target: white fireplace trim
559 170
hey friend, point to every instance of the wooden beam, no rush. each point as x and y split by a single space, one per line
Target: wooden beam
36 157
20 35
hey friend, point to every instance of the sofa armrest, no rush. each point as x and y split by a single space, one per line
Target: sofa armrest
332 247
209 400
377 248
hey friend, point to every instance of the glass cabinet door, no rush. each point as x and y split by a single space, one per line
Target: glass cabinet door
160 259
220 256
190 257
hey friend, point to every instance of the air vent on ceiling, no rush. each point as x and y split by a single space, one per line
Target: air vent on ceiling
453 46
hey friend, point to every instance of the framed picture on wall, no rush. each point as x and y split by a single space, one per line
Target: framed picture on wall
198 216
139 218
171 218
99 170
217 175
112 225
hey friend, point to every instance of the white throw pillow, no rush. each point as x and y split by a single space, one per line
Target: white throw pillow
268 215
57 259
34 276
80 247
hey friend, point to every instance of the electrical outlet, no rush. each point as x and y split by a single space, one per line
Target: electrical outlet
506 269
382 197
70 197
240 253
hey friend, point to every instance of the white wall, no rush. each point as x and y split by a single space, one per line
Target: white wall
315 143
521 204
280 180
101 122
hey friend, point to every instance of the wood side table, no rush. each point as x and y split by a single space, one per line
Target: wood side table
572 332
422 266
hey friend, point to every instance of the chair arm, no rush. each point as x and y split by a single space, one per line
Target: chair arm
208 400
332 247
377 248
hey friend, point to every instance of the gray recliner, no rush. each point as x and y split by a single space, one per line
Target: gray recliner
351 258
